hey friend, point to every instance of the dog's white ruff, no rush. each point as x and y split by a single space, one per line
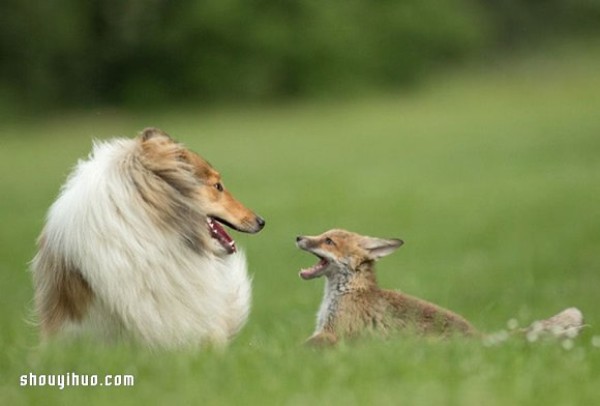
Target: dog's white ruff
148 283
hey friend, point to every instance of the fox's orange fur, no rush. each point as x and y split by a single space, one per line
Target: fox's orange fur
354 304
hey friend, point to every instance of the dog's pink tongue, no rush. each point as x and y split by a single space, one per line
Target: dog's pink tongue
218 232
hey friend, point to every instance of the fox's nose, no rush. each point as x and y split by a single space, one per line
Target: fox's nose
261 222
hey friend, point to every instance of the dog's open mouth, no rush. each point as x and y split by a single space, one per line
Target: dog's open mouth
218 233
316 270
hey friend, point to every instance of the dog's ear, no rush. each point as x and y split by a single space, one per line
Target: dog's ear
380 247
151 132
167 159
159 146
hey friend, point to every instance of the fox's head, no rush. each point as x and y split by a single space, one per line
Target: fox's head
196 202
343 251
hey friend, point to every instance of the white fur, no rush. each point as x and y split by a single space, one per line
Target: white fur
335 287
148 284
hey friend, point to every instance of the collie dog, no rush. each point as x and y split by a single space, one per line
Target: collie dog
134 248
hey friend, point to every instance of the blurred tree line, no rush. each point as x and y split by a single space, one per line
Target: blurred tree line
74 52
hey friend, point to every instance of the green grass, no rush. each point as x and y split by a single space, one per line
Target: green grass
491 176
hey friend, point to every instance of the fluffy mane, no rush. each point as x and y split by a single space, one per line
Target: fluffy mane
125 253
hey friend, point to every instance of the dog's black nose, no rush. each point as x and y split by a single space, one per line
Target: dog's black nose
298 238
261 222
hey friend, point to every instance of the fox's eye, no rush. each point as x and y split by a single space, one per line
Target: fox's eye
219 186
329 241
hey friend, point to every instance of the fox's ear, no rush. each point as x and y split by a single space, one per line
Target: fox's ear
380 247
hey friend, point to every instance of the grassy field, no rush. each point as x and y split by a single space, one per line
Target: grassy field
492 178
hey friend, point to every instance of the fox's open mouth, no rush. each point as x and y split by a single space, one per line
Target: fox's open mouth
218 233
316 270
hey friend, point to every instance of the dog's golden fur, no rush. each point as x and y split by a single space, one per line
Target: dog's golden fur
61 292
133 247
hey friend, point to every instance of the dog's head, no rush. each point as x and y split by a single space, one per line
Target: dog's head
191 194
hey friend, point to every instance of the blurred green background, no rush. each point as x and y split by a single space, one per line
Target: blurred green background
141 52
470 129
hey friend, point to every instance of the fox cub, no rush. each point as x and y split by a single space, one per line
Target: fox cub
354 304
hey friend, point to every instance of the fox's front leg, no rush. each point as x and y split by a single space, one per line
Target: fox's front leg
322 339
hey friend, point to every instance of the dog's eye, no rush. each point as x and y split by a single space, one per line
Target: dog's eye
329 241
219 186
